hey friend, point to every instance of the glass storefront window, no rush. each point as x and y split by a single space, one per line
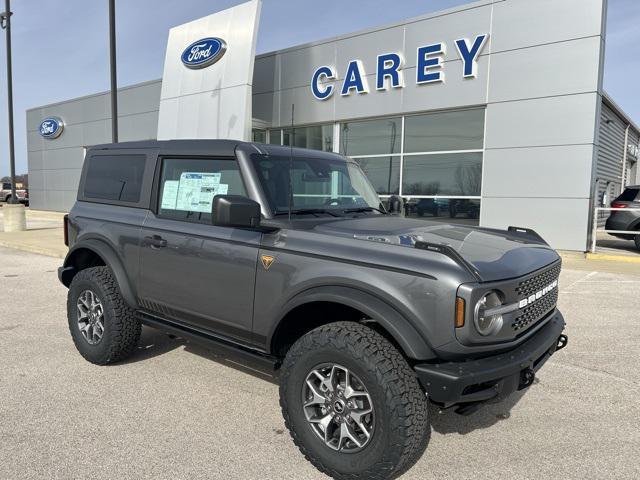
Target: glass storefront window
259 135
315 137
449 210
451 174
436 132
438 154
383 173
275 137
373 137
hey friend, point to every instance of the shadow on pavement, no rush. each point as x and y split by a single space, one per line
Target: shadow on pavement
447 421
155 343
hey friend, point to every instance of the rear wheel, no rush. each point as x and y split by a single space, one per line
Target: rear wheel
103 327
636 239
353 404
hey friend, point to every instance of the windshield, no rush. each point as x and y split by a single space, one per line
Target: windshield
318 184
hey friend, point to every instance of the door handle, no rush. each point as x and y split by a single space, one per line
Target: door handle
156 241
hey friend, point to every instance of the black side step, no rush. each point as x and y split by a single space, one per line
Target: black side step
225 348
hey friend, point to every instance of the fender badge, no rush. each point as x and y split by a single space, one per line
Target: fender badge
267 261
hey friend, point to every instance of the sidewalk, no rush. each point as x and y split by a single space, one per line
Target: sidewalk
615 249
43 235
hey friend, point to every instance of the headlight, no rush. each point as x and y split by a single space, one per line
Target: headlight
488 321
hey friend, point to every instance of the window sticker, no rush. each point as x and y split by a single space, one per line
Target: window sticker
196 191
169 195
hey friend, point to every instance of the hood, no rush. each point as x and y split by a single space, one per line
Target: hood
495 254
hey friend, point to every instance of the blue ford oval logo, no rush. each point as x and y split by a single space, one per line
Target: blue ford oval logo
51 127
204 52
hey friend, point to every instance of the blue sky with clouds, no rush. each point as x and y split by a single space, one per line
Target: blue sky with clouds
61 50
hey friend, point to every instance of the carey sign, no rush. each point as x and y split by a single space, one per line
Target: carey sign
429 69
51 127
204 52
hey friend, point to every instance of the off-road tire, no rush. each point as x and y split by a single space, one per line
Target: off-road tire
121 328
402 428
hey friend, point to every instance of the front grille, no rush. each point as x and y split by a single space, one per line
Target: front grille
534 312
538 282
531 314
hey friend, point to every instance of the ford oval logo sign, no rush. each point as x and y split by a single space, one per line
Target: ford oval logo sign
51 127
204 52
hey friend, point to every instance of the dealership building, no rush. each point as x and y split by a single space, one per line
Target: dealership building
492 113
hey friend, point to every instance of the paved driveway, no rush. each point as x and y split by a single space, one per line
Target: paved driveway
175 411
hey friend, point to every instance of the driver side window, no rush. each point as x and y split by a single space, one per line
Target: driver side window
188 186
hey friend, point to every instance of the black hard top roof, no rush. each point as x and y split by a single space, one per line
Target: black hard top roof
214 147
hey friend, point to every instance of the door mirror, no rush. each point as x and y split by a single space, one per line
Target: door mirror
235 211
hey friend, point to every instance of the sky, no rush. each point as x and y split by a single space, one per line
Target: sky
60 48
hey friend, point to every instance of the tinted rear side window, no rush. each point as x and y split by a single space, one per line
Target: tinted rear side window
115 177
629 195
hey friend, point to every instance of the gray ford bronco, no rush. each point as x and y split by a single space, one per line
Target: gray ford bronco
286 257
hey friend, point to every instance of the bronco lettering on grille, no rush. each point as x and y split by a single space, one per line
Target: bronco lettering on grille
538 295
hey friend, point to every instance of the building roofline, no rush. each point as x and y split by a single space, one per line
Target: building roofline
91 95
426 16
619 111
345 36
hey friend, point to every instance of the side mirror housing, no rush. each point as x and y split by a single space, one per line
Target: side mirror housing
235 211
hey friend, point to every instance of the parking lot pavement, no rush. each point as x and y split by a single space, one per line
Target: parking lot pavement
176 411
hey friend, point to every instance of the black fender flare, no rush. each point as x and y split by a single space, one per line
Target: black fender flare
109 257
413 344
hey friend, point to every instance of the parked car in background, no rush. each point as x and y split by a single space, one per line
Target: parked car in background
468 208
628 219
21 193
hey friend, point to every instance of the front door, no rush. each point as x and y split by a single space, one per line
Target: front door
192 271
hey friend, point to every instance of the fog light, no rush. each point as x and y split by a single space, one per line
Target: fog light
486 322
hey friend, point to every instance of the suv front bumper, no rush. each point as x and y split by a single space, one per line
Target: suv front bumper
452 383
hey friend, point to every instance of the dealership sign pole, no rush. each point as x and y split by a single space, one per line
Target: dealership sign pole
5 21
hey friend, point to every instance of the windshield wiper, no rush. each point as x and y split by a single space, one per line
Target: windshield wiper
364 209
304 211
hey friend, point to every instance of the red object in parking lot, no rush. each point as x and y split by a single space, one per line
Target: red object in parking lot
619 205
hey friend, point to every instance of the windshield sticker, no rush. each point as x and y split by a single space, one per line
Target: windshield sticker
169 195
196 191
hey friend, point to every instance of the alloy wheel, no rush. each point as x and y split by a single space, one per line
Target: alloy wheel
90 317
338 408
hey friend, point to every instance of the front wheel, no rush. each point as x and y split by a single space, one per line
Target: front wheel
636 239
353 404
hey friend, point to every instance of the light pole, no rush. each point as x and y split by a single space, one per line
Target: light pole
5 23
114 78
13 214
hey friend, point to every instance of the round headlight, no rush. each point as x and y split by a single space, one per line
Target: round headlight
486 323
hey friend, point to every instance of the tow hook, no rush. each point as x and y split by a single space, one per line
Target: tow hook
527 376
562 342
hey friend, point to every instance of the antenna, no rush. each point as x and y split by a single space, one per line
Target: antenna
291 142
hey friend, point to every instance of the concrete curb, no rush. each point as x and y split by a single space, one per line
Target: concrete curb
33 249
612 258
